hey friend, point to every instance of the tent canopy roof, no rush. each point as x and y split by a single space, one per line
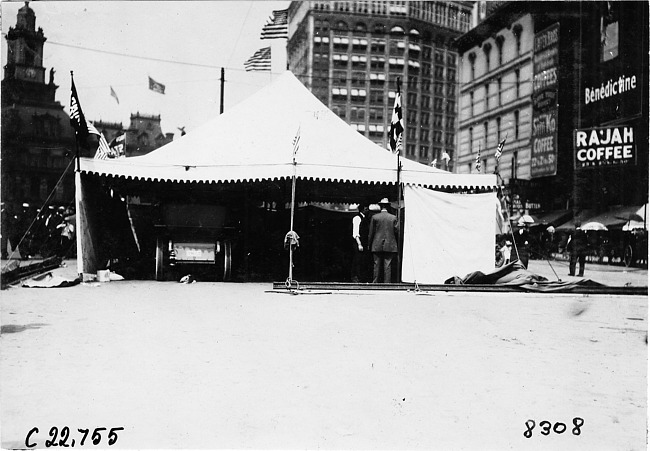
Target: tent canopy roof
258 138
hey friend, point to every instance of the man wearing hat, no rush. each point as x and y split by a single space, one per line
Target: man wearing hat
382 239
577 247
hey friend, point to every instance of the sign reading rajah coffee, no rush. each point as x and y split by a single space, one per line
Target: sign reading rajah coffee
604 146
545 102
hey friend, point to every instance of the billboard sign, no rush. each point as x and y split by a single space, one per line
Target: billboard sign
604 146
545 102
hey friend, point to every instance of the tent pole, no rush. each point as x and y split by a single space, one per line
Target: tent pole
293 207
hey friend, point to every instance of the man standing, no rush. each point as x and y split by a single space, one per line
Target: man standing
382 239
577 246
359 244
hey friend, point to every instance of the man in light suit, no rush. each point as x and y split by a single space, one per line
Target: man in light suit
382 239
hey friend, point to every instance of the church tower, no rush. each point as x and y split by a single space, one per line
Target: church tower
24 76
37 139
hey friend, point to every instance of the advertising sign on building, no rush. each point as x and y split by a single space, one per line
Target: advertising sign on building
604 146
545 102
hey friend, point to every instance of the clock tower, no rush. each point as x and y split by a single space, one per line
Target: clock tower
24 76
37 139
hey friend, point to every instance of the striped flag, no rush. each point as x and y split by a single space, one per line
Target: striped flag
260 61
478 160
156 87
77 118
276 26
103 150
499 151
396 124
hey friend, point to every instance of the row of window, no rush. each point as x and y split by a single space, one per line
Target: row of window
378 46
487 49
514 163
487 94
499 132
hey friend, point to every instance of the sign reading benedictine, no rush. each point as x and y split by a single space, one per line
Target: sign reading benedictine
604 146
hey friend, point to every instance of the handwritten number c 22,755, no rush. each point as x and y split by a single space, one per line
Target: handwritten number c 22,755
558 428
65 440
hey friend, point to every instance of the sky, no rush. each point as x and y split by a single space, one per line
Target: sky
120 44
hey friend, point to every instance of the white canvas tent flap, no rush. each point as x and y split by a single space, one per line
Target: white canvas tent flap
254 141
446 235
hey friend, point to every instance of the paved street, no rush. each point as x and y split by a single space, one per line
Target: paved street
214 365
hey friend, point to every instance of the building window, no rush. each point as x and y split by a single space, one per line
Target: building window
499 91
376 97
410 149
516 124
487 49
377 62
378 46
376 114
485 134
513 169
517 83
471 103
499 41
516 30
411 99
487 96
472 65
424 152
609 33
498 129
471 139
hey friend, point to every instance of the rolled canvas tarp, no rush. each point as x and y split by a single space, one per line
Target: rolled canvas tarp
446 235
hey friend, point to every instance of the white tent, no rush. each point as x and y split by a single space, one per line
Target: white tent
254 141
279 132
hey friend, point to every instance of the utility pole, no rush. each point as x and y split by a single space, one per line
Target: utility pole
223 79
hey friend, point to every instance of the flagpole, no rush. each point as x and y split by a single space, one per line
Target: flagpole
399 198
77 200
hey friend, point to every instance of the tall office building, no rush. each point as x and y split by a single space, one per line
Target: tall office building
350 54
536 73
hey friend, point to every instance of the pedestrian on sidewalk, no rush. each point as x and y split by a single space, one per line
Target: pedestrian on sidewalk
577 246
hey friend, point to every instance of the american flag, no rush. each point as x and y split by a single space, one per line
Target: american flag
103 150
499 151
260 61
276 26
396 124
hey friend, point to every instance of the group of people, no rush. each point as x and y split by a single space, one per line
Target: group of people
376 236
577 247
35 232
